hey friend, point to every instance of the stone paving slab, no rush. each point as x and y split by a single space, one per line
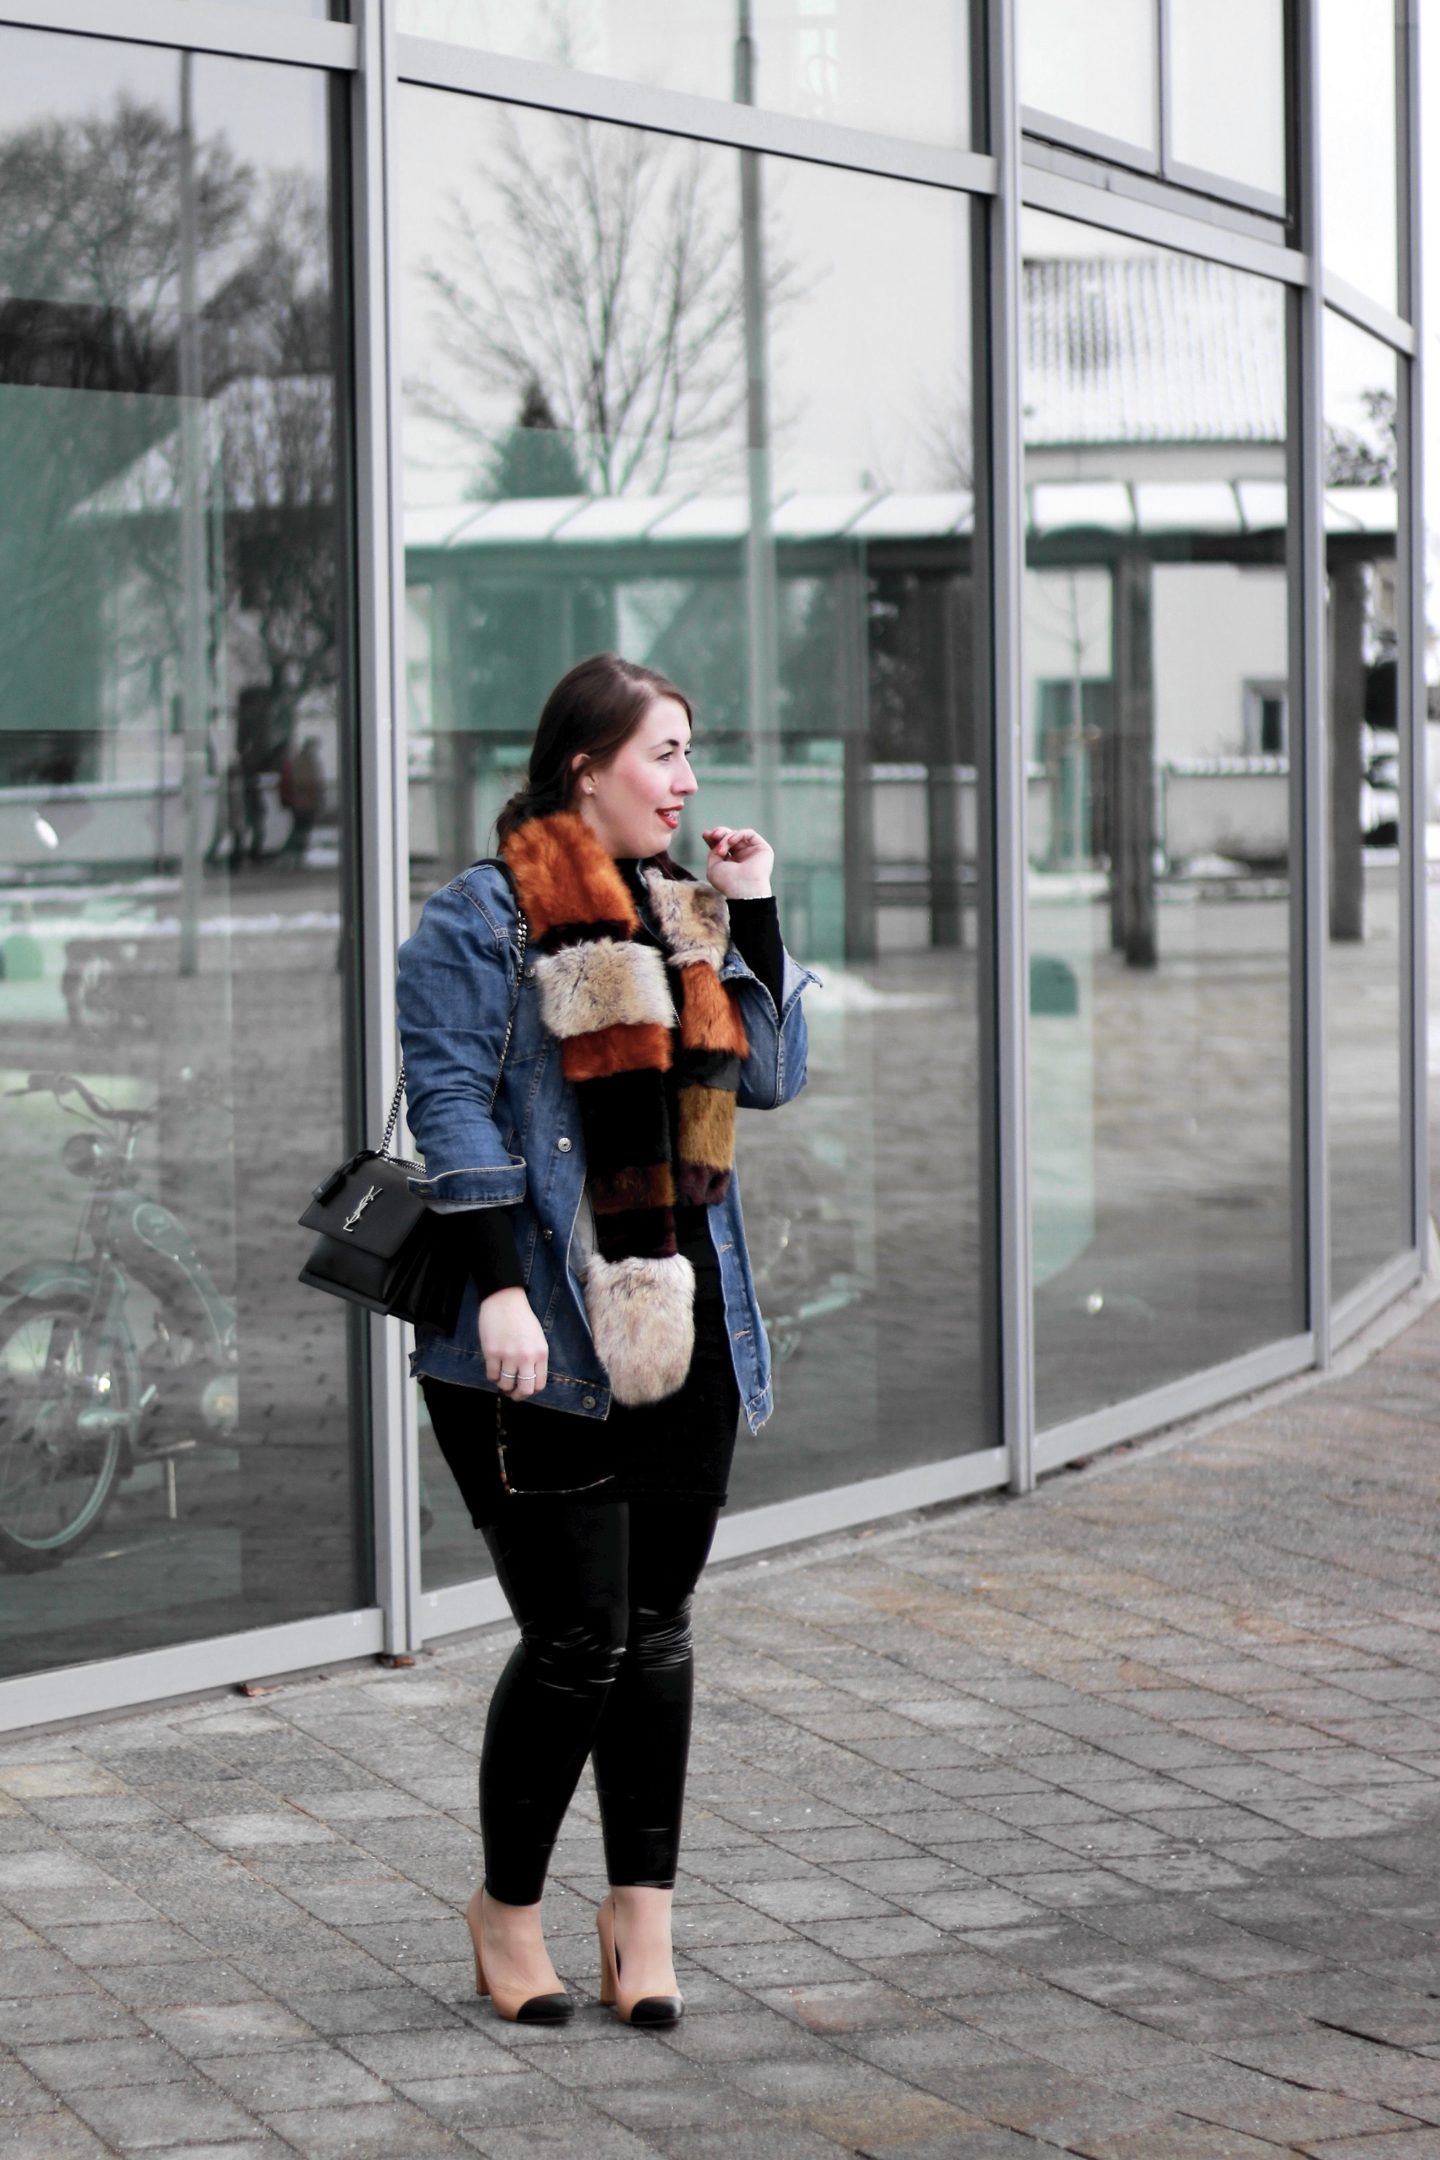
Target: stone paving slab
1103 1823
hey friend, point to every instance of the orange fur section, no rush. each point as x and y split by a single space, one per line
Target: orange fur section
710 1018
566 876
707 1127
641 1048
648 1188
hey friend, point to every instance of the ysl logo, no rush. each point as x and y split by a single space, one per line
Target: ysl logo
352 1219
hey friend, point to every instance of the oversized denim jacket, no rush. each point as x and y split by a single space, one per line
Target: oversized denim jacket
457 983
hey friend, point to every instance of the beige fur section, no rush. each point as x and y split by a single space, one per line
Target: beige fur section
692 918
642 1318
584 988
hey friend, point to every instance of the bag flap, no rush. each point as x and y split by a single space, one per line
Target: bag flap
367 1204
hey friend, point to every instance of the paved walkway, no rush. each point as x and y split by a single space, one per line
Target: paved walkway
1107 1823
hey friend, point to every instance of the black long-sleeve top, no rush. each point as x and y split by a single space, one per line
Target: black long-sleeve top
485 1236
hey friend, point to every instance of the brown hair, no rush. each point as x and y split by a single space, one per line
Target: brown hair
596 708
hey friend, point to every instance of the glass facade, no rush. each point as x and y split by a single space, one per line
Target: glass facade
181 1444
1095 67
1194 89
326 446
798 559
1359 117
1224 118
829 60
1157 717
1368 736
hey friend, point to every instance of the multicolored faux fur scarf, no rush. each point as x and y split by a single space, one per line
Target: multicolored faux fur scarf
604 992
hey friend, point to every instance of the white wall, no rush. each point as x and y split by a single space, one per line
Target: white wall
1216 627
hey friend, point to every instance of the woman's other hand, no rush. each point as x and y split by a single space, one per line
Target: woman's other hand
517 1356
740 863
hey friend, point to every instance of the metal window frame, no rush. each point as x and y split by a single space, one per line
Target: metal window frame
384 804
62 1692
205 26
1410 681
1174 1402
1407 157
430 64
1309 883
1370 315
1203 178
1060 174
1193 207
1110 150
1165 224
1369 1299
1160 163
1000 582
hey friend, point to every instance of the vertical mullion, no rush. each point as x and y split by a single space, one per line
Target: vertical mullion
1162 84
1309 883
383 820
1000 569
1410 674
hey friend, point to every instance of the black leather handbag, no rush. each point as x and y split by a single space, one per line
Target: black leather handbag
379 1244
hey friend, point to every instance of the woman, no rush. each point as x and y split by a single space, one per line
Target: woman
579 1027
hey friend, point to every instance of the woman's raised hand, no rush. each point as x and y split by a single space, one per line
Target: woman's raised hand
740 863
517 1356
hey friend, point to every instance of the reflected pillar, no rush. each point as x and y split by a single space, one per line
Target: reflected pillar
1347 713
761 599
942 625
1132 765
858 808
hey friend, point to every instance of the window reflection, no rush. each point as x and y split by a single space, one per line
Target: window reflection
1358 173
1092 66
1226 61
568 492
1369 1155
175 1443
1156 700
832 60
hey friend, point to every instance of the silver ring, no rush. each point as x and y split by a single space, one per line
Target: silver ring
508 1375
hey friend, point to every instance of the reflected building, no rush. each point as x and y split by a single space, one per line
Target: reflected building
1006 435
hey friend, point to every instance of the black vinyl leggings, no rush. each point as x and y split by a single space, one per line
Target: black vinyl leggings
604 1667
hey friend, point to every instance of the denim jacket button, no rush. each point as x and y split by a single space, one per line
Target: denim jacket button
563 1144
547 1235
587 1402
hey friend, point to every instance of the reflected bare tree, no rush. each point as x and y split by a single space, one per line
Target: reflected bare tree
90 263
1365 457
89 282
604 282
90 245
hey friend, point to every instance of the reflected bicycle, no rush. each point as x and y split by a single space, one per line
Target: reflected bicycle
81 1404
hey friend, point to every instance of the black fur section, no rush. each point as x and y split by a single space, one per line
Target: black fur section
579 933
710 1068
625 1121
644 1233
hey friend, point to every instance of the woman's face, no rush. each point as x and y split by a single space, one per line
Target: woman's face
633 804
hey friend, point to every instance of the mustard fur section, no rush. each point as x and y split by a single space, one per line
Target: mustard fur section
584 988
693 919
707 1127
642 1319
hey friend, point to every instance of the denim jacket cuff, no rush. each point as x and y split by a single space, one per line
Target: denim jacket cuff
492 1185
